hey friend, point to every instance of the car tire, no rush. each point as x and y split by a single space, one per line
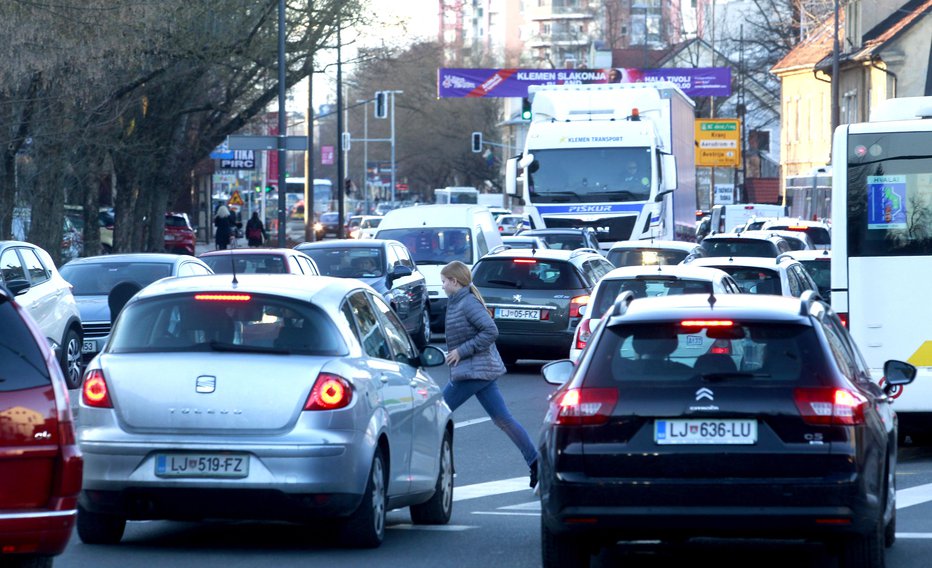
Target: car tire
439 509
864 550
422 335
365 528
562 551
71 358
99 528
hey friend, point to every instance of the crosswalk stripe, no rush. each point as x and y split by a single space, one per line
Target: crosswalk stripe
471 422
489 488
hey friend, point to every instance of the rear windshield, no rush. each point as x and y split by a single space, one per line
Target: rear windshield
243 322
755 280
348 262
821 272
434 245
247 264
818 235
173 221
641 257
99 278
738 247
528 274
758 352
21 363
642 288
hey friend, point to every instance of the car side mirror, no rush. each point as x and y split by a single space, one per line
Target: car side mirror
432 356
400 271
17 286
558 372
897 373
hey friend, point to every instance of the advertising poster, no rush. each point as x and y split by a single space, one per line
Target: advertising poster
886 202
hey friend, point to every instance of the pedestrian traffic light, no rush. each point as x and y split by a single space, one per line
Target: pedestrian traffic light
381 104
525 109
477 142
269 188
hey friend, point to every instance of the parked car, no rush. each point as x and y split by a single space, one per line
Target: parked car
783 276
650 438
387 266
180 237
320 408
260 261
647 281
536 296
566 238
41 464
94 277
105 222
650 252
29 273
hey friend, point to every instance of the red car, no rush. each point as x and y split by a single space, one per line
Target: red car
41 466
179 234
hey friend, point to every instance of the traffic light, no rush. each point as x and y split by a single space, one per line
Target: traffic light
381 104
269 188
258 189
525 109
477 142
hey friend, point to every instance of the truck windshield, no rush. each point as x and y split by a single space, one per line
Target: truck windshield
590 175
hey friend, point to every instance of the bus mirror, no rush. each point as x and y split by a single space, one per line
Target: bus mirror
669 172
511 174
661 193
526 160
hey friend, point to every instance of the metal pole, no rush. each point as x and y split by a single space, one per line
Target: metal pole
365 151
341 192
309 233
282 123
836 111
393 143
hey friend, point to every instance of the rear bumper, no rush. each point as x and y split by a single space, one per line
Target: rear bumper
44 533
544 346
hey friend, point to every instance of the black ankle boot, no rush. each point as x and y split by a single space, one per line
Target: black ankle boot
534 474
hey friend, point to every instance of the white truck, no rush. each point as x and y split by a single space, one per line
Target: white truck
727 218
619 158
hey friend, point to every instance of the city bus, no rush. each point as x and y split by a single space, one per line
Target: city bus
882 245
294 192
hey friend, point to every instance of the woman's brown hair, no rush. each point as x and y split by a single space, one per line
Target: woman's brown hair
459 272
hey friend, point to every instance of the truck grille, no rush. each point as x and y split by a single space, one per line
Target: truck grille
608 229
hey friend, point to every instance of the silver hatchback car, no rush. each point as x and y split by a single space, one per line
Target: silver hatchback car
262 397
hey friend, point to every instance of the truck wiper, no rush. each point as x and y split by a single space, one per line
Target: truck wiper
557 194
620 193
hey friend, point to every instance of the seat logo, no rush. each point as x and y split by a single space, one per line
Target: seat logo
516 297
206 384
704 393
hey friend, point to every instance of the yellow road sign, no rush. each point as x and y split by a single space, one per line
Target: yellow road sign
718 142
236 200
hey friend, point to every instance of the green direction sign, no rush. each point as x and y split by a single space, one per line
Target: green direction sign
729 126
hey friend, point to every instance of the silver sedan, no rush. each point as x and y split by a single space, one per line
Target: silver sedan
262 397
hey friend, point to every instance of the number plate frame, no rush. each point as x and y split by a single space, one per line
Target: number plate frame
222 465
523 314
711 431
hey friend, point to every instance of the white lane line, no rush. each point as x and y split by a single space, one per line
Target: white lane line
913 496
913 535
506 514
490 488
435 528
471 422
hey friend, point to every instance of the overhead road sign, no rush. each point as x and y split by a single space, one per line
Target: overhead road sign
718 142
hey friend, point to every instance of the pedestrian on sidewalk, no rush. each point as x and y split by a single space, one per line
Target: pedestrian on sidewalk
475 364
224 223
255 230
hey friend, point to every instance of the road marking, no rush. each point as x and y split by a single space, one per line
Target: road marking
490 488
506 514
913 496
913 535
436 528
471 422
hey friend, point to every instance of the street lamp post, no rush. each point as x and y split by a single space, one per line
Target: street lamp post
365 150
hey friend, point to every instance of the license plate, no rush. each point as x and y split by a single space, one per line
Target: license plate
201 465
705 431
89 346
517 313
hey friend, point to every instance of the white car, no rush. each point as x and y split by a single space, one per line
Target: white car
367 227
30 274
649 252
818 264
782 276
518 241
798 240
819 231
647 281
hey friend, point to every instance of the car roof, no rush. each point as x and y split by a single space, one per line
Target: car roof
150 257
750 261
296 286
654 244
247 251
346 243
783 234
681 270
558 231
541 253
756 235
814 254
784 309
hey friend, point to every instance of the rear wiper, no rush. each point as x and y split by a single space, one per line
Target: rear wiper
218 346
503 283
719 377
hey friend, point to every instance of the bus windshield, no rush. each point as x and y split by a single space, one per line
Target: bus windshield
590 175
890 194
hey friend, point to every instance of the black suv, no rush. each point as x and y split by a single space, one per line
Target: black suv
535 296
700 416
566 238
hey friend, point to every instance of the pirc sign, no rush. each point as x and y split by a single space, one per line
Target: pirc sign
718 142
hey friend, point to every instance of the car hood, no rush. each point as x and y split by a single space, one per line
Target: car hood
93 308
378 283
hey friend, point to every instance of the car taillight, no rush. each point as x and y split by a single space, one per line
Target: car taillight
830 406
583 407
583 333
69 470
576 303
843 316
721 346
95 393
329 393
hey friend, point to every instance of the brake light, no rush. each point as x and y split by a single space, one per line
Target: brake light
583 333
707 323
223 297
330 392
576 303
843 316
796 228
583 407
830 406
95 392
525 261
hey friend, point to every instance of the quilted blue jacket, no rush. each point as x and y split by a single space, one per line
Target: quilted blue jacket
472 331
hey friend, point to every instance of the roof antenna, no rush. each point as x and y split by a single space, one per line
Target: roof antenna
712 300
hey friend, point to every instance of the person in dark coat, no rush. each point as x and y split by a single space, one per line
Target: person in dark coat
475 364
224 223
255 230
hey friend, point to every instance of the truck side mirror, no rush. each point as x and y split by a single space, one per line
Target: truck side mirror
511 175
669 171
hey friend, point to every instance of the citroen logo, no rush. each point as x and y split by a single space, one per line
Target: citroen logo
516 297
704 393
206 384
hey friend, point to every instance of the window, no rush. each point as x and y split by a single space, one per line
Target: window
395 332
539 275
11 268
403 256
37 271
371 337
20 357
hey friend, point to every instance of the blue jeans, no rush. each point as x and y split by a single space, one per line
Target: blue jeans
458 392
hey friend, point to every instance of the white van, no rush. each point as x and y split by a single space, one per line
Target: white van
438 234
727 218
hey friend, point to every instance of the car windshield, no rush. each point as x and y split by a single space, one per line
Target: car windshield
642 257
247 263
761 352
755 280
97 279
348 262
525 273
226 322
434 245
643 287
738 247
590 175
820 236
176 221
